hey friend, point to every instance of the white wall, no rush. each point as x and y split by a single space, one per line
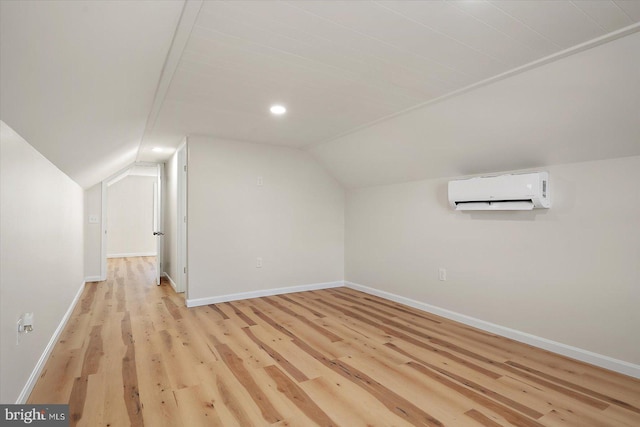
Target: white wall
93 233
569 274
41 255
130 217
295 221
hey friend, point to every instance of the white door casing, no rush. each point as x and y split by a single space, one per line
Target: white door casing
181 216
158 229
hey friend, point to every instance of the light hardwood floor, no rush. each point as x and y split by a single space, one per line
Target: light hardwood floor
133 354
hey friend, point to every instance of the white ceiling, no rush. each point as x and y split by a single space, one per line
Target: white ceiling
77 79
84 82
580 108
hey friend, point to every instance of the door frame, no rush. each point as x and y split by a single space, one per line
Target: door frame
158 220
122 173
181 218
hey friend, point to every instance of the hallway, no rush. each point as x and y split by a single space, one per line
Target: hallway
95 359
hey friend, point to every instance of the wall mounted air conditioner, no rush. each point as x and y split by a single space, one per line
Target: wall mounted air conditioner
512 192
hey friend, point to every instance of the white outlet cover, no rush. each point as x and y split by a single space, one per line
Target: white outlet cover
28 318
93 219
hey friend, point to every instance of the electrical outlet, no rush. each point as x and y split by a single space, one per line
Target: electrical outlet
442 274
28 322
259 181
24 325
258 262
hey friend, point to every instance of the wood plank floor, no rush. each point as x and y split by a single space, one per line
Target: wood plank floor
133 354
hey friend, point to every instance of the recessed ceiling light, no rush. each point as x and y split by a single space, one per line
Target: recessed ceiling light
278 109
157 149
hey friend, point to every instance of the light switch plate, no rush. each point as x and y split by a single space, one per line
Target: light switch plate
93 219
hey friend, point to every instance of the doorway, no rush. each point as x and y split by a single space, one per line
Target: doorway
132 214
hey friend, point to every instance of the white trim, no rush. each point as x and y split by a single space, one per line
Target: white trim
103 231
186 23
264 293
125 171
33 378
159 225
587 356
173 284
181 215
93 279
131 254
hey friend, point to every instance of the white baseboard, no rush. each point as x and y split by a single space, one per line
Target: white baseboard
93 279
587 356
265 293
173 284
131 254
33 378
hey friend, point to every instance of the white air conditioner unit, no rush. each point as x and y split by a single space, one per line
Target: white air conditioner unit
514 192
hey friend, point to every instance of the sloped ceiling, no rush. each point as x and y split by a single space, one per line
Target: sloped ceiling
114 89
580 108
77 79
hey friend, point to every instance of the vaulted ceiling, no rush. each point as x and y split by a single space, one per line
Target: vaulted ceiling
95 85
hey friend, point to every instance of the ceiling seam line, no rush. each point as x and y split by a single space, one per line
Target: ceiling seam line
443 34
383 42
331 42
525 25
589 17
515 40
352 79
631 29
622 10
